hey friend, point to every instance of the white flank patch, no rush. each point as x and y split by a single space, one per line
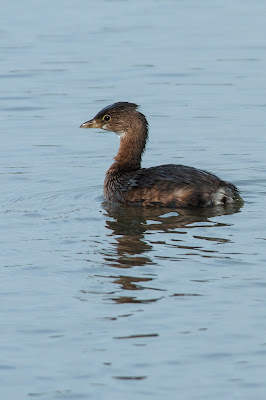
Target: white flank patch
221 194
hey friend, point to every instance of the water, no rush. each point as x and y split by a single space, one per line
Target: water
105 303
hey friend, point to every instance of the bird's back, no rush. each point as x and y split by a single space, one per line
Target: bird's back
169 186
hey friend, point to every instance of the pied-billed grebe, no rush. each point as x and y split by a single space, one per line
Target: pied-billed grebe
162 186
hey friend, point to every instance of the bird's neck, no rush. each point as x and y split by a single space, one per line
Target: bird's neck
132 145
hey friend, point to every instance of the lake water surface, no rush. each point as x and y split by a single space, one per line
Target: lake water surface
105 303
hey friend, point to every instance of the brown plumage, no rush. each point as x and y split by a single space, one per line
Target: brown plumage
168 185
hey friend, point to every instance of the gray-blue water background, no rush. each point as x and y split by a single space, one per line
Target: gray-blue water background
130 304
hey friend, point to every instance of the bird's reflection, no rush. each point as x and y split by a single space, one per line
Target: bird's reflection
130 226
131 245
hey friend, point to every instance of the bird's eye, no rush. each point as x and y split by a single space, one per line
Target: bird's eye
106 117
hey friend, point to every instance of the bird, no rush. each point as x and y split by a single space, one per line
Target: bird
169 185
